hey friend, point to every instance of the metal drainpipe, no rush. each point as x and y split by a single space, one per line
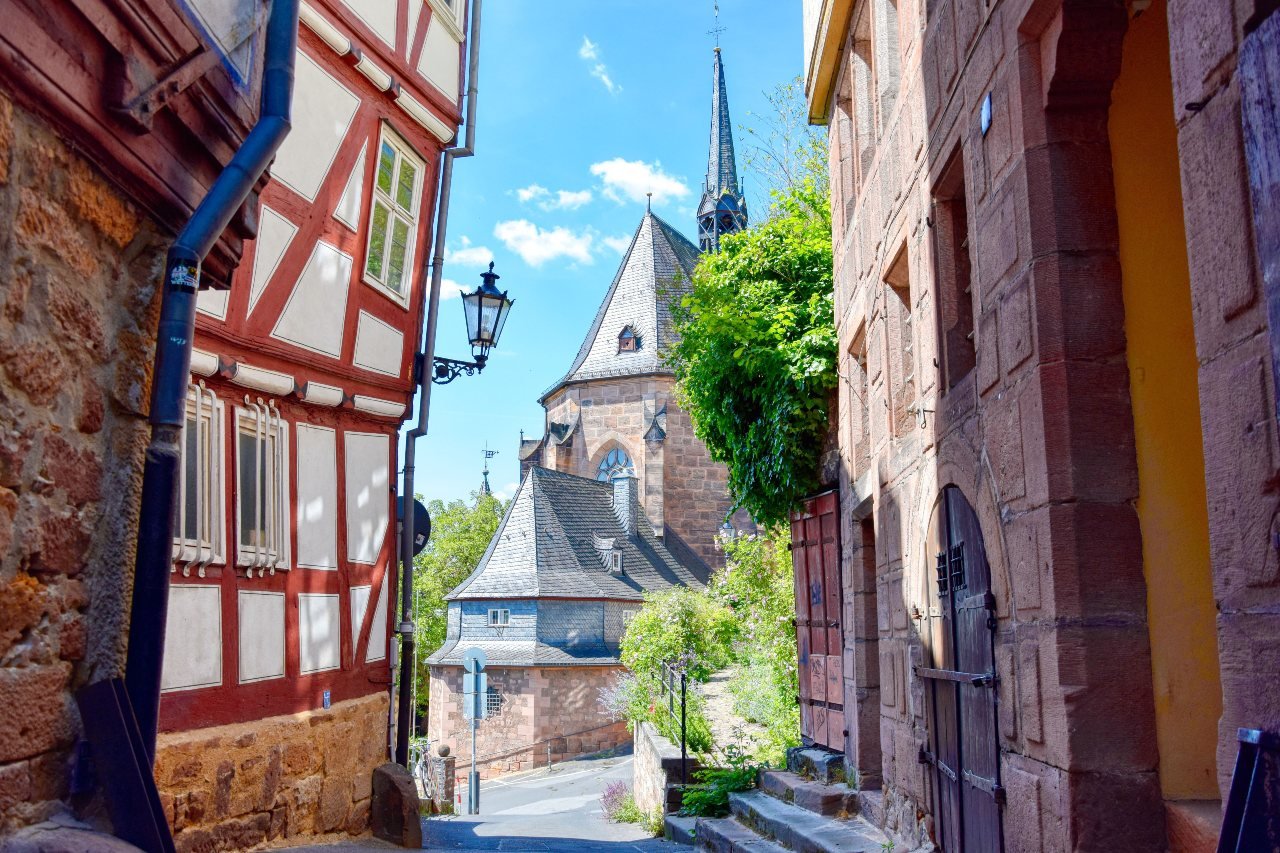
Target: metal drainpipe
150 604
425 358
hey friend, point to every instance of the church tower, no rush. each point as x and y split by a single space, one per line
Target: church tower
723 209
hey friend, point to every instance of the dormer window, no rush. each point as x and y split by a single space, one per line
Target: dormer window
628 341
615 562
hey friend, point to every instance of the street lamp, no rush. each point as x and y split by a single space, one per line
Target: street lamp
486 312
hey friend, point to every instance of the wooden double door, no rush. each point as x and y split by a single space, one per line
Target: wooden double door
960 678
815 561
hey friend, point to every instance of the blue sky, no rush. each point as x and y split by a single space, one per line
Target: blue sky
584 107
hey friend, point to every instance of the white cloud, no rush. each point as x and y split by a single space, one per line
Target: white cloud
450 289
536 246
630 180
618 244
561 200
468 255
529 193
590 53
506 492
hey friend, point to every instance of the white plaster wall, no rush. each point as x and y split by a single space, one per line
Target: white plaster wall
275 233
359 602
317 497
440 60
319 632
348 210
379 347
213 303
261 635
322 112
378 630
378 15
193 638
315 314
368 499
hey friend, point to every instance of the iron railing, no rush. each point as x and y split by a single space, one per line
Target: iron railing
675 690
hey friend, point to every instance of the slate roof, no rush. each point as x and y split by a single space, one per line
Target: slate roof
722 167
656 269
544 547
522 653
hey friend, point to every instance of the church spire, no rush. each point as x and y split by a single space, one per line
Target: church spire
723 208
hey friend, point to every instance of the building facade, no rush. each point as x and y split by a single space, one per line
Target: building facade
567 568
97 166
277 672
1057 413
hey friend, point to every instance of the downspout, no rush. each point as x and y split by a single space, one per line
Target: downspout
172 367
424 361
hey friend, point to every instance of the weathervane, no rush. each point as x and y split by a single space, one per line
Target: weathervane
488 454
717 29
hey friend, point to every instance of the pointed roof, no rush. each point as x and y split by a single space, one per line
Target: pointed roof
722 167
545 547
656 270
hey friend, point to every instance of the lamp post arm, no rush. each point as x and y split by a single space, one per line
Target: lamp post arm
445 370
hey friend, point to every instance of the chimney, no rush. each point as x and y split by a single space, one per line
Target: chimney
625 501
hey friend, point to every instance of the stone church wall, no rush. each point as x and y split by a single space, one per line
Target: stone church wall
78 303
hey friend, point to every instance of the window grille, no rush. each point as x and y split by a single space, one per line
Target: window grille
197 539
493 701
393 218
262 488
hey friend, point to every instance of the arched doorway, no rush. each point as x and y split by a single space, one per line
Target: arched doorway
958 634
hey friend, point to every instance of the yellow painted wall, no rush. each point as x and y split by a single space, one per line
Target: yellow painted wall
1166 413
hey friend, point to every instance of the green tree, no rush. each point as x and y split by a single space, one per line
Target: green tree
460 534
756 358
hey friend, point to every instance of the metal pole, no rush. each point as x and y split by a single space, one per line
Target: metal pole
684 740
473 781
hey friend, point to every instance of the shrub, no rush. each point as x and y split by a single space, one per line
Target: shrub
619 805
709 796
679 625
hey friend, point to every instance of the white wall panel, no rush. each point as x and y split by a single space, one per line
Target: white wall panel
359 603
415 12
350 205
317 497
193 638
378 15
441 60
261 635
275 233
213 303
322 113
368 499
315 314
319 632
378 630
379 347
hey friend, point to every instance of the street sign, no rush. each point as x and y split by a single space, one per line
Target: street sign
421 523
474 660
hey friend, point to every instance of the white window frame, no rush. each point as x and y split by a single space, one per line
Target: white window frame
261 419
615 561
394 212
499 617
450 13
208 547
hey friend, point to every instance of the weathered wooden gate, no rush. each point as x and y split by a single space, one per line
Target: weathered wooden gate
959 672
815 559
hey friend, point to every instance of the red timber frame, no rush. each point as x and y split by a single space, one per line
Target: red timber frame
246 338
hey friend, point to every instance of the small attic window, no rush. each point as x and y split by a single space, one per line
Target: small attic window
627 340
615 563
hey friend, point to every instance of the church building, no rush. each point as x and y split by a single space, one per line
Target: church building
618 498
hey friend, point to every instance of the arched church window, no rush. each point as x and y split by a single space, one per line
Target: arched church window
628 341
617 462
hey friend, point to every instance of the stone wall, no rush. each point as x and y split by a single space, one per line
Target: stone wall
656 765
78 303
302 776
547 713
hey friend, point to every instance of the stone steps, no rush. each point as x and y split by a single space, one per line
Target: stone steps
679 829
820 765
803 831
826 800
726 835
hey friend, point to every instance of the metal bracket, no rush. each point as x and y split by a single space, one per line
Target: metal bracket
445 370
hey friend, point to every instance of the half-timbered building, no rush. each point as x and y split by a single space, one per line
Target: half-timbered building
283 579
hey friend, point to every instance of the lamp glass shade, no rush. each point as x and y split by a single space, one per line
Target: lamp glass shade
486 313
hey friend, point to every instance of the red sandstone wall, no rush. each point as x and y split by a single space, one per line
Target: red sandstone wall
78 266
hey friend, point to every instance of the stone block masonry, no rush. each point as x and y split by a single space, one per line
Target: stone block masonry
78 303
301 776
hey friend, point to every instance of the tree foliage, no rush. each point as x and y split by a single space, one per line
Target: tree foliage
756 358
460 533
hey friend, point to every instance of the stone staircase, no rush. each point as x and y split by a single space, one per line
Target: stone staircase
804 809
